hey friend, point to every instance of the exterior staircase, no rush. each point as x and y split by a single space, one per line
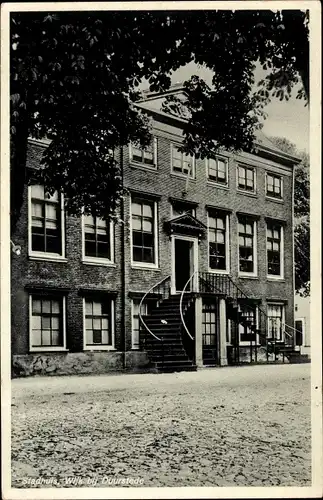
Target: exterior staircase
165 347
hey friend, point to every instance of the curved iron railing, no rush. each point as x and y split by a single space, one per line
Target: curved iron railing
181 306
225 284
157 285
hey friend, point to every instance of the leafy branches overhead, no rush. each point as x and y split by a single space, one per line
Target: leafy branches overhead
301 214
75 76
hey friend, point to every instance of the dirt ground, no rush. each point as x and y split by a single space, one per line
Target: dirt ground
237 426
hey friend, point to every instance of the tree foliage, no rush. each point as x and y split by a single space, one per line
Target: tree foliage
301 214
75 77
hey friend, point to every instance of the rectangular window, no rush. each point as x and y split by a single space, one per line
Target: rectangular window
248 314
146 307
98 239
274 249
146 157
47 322
217 170
209 324
98 328
182 163
247 245
45 221
275 321
274 186
179 208
246 178
143 231
218 244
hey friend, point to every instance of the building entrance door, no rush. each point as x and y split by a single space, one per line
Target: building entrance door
184 262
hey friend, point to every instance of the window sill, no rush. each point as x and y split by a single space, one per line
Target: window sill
219 271
48 349
246 343
247 193
99 263
274 278
145 267
217 185
47 257
248 276
182 176
99 348
277 200
142 166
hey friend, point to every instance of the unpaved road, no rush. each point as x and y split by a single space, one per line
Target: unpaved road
237 426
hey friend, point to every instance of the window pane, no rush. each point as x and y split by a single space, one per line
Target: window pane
36 322
46 306
136 223
37 192
88 324
46 337
36 305
147 226
97 308
136 208
51 211
36 338
46 323
37 209
147 211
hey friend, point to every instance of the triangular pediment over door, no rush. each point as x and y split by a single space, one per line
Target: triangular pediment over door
186 224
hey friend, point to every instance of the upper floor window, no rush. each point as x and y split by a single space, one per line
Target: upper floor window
180 208
247 245
246 178
99 323
144 232
276 319
47 322
217 170
182 163
98 239
218 241
274 249
46 222
274 186
146 157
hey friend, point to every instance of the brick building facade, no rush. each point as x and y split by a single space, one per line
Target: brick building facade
225 223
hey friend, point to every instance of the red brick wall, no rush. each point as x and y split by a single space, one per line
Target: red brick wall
74 274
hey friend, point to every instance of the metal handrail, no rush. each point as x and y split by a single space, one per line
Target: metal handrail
181 306
141 302
259 308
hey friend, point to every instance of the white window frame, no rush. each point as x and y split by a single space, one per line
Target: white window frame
282 271
141 164
283 306
227 246
47 348
246 191
254 274
247 342
181 174
100 347
276 198
211 181
145 265
46 255
98 260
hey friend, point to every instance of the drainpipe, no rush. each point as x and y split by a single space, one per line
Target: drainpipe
123 264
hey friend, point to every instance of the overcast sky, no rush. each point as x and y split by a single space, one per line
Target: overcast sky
288 119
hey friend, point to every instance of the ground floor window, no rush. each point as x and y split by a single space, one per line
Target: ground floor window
99 324
209 323
47 322
276 320
248 323
146 308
